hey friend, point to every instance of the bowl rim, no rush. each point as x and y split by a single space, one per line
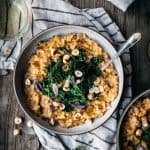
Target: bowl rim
121 120
35 121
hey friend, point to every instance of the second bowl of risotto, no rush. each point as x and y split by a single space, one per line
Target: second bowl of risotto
134 126
59 84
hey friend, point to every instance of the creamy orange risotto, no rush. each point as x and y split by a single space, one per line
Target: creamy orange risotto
64 83
136 133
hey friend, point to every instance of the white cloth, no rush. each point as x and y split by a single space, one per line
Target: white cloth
47 14
122 4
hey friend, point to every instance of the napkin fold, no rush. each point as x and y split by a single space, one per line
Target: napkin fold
47 14
122 4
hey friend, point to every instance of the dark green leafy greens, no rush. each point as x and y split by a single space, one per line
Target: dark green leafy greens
146 136
77 95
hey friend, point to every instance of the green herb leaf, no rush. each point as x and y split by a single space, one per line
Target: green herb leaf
146 135
77 93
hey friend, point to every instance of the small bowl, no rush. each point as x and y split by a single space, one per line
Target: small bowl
143 95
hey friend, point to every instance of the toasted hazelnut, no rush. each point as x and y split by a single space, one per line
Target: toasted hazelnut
67 83
108 107
78 81
65 67
55 104
90 96
144 122
27 82
52 51
75 52
62 106
88 121
56 57
67 114
66 88
18 120
66 58
52 121
138 132
29 124
7 50
96 82
91 90
96 90
16 132
101 88
78 73
89 56
71 46
77 115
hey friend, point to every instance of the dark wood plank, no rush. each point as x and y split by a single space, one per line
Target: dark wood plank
8 110
137 18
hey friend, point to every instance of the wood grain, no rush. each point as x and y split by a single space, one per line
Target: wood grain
136 19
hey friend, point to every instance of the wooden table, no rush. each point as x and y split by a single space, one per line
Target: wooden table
137 18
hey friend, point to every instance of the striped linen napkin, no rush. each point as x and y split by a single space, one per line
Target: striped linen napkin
47 14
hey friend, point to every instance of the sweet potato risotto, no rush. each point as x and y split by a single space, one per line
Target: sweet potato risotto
136 130
64 83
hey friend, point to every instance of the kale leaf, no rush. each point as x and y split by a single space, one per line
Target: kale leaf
77 95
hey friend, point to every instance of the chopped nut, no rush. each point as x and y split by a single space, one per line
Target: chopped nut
88 121
18 120
67 114
66 88
27 82
55 104
96 90
16 132
78 81
7 50
52 51
71 46
77 115
62 106
138 132
29 124
75 52
78 73
56 57
108 107
90 96
101 88
91 90
66 58
144 122
65 67
96 82
52 121
67 83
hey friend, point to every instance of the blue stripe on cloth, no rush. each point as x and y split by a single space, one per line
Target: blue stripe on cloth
63 23
101 138
57 11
